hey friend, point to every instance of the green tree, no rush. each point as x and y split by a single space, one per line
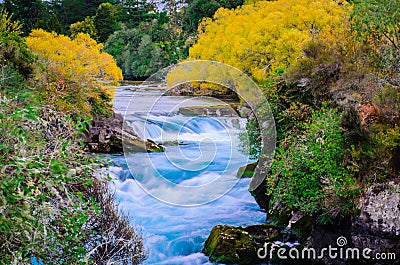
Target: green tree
54 25
71 11
166 47
105 21
27 12
149 58
133 12
196 10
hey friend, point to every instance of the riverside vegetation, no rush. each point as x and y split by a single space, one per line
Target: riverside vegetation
55 208
329 69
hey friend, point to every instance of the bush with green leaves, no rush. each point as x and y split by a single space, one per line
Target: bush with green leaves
250 139
307 173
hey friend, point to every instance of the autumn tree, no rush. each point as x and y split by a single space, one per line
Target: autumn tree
75 72
267 36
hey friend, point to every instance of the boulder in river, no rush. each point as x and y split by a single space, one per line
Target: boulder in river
236 245
246 171
107 135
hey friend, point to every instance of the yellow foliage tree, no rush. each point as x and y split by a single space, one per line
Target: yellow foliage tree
268 35
75 72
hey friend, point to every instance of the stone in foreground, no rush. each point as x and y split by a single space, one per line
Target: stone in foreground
236 245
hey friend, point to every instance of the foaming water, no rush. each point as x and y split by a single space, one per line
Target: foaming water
173 234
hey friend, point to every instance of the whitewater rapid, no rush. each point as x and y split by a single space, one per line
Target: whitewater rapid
209 149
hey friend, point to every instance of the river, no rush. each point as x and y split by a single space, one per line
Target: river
175 231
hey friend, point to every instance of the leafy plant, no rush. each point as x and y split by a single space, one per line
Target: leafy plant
307 173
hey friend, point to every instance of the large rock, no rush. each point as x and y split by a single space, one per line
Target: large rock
106 135
378 225
236 245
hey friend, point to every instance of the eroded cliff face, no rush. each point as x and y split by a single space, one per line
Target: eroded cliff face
378 225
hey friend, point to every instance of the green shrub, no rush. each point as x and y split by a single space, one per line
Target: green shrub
307 173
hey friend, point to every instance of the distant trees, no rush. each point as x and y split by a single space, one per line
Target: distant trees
50 25
196 10
142 51
71 11
162 37
134 12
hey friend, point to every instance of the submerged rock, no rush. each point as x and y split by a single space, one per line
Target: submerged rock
206 111
236 245
107 135
246 171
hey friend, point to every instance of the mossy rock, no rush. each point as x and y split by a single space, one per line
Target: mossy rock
153 147
230 245
236 245
246 171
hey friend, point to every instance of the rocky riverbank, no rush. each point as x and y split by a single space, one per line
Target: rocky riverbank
376 227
